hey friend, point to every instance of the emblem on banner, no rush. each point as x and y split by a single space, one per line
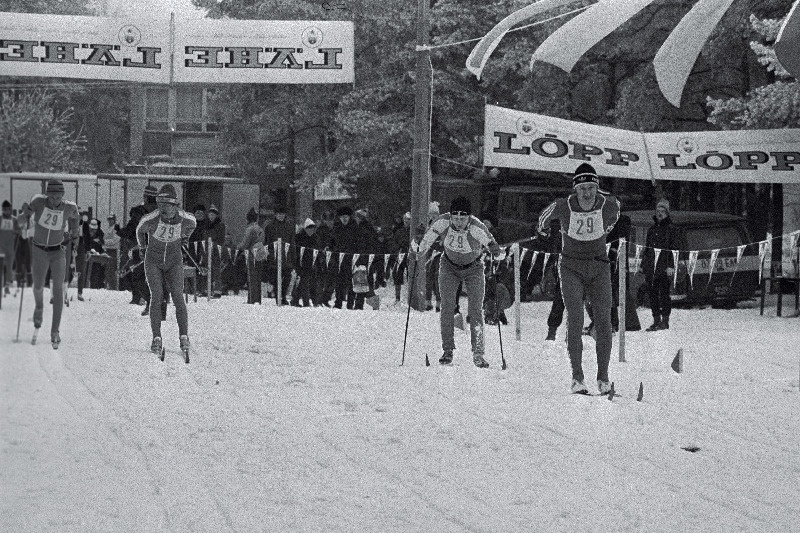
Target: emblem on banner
312 37
526 126
129 35
686 145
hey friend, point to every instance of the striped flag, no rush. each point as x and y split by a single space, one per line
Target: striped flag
678 54
571 41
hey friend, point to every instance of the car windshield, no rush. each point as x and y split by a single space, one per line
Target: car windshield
712 238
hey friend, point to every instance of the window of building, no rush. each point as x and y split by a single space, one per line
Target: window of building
157 109
189 109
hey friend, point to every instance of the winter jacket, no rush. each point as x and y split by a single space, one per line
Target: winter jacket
346 238
310 243
216 230
666 236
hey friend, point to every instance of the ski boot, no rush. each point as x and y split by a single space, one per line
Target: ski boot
55 340
479 361
604 387
157 347
578 387
80 297
446 358
185 347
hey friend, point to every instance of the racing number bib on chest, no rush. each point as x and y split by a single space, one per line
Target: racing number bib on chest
586 226
7 224
167 232
457 241
51 219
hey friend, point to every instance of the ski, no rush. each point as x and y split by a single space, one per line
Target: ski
35 335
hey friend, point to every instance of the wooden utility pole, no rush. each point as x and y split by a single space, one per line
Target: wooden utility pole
420 173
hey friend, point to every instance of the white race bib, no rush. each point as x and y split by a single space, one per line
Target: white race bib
51 219
7 224
456 241
167 232
586 226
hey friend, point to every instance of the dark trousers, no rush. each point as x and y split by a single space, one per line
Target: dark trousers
305 287
254 270
660 302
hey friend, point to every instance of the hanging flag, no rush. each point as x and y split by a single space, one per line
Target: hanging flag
480 54
195 247
676 57
219 251
533 263
235 255
302 251
286 248
692 265
739 254
369 261
401 257
523 251
565 46
246 254
203 244
386 260
341 258
608 248
275 248
787 44
546 259
314 255
636 259
712 263
328 258
355 260
762 253
675 255
657 252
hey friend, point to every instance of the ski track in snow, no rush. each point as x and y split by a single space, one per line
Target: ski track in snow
292 419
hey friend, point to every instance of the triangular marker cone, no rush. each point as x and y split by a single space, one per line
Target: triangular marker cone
677 362
641 392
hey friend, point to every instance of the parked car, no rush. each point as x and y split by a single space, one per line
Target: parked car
730 282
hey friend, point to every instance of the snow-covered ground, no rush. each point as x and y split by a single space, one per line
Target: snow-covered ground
293 419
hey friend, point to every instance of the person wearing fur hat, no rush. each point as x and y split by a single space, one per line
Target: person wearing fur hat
280 227
665 236
586 219
163 234
305 243
9 233
50 214
215 230
136 278
464 237
345 239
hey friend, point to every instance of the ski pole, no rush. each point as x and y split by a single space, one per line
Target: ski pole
19 319
497 313
408 312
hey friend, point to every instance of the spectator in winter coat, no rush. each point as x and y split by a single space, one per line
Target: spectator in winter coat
215 230
282 226
9 235
401 237
345 239
305 242
664 235
94 242
136 278
326 281
253 244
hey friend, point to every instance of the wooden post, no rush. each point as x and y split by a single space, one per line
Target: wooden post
420 169
208 272
622 264
517 292
279 280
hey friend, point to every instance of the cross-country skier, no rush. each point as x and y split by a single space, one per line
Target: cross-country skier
463 237
586 218
163 234
55 222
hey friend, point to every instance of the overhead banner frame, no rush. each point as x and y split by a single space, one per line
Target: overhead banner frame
163 50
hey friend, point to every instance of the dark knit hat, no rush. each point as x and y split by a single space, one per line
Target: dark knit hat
663 203
150 191
6 203
342 211
54 187
167 195
251 215
199 207
461 203
585 173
